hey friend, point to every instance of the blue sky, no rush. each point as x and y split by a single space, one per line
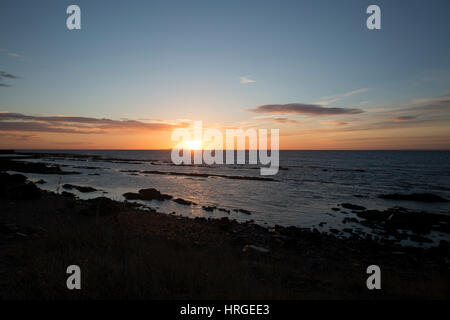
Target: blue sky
172 60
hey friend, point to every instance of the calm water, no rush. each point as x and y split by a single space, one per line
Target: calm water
303 195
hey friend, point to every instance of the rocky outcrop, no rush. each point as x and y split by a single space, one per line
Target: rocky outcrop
147 194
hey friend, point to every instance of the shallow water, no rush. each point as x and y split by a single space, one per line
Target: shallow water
302 195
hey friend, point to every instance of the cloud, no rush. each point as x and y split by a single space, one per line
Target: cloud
285 120
15 55
334 123
5 75
300 108
334 98
403 118
245 80
21 137
79 125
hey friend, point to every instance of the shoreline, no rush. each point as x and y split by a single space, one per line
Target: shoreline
161 256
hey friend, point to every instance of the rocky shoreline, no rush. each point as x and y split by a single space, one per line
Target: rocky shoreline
167 256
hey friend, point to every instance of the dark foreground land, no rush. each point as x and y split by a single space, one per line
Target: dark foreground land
124 252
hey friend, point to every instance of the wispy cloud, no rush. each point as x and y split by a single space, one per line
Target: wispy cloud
80 125
5 75
245 80
334 98
21 137
14 55
300 108
403 118
285 120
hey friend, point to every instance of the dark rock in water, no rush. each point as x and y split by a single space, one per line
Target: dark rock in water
153 194
68 194
352 206
336 209
41 181
79 188
420 197
394 219
209 208
334 231
185 202
224 210
132 196
147 194
243 211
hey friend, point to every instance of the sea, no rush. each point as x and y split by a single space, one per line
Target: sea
303 193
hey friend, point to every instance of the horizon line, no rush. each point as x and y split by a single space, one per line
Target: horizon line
106 149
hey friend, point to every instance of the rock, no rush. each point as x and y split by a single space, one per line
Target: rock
79 188
16 187
153 194
352 206
243 211
41 181
394 219
420 197
374 215
209 208
147 194
27 191
101 206
255 249
421 239
68 194
185 202
132 196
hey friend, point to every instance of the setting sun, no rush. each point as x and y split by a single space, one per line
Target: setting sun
194 144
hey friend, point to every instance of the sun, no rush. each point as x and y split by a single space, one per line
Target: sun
194 144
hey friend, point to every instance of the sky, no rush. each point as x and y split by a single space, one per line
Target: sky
137 70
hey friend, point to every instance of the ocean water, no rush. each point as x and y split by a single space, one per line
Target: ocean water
303 193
